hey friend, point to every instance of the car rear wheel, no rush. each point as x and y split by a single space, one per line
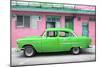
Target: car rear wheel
75 50
29 51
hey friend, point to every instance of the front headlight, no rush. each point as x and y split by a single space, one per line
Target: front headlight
17 42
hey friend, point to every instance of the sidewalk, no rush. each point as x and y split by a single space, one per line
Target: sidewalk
92 49
86 55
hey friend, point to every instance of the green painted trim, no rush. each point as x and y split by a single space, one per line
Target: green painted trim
41 9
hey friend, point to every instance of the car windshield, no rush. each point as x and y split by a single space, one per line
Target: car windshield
42 33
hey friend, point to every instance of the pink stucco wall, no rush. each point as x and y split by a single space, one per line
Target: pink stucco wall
78 26
92 32
22 32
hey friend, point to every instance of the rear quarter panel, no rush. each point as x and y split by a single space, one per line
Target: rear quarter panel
82 42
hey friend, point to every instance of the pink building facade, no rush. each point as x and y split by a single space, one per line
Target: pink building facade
33 23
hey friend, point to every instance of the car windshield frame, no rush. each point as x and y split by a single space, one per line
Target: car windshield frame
74 34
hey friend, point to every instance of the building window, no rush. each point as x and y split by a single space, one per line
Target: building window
28 21
23 21
53 18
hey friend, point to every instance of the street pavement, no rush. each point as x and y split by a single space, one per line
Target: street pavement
17 58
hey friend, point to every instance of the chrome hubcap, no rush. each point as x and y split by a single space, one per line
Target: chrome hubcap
75 50
29 51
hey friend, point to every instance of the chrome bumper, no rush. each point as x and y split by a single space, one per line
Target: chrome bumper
19 50
90 46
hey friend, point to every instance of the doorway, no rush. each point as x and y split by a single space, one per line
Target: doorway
69 22
53 22
50 25
85 31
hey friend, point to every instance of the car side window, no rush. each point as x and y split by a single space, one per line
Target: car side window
51 33
65 34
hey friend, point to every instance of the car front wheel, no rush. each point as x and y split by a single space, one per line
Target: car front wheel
75 50
29 51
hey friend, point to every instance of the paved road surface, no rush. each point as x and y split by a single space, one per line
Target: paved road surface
19 59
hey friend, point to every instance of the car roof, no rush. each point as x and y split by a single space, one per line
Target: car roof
59 29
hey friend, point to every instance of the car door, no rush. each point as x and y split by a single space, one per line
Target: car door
50 42
65 40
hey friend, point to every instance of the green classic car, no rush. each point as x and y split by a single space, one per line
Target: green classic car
53 40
